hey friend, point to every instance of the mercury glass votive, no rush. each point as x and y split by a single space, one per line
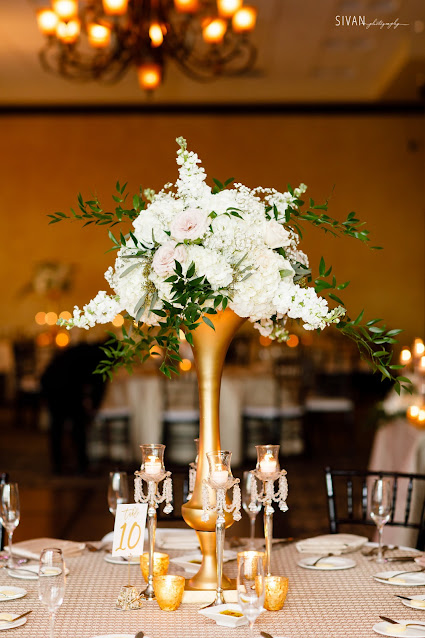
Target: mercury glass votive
160 564
250 562
276 588
169 591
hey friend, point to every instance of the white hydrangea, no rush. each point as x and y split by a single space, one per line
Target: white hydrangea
234 239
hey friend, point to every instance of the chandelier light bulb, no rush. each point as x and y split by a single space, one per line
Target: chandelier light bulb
47 21
149 76
186 6
115 7
213 31
65 9
156 34
68 32
99 35
244 20
226 8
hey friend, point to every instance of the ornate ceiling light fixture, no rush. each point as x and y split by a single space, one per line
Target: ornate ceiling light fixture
102 39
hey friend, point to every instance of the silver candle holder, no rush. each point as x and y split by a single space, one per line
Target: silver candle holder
220 479
152 471
268 471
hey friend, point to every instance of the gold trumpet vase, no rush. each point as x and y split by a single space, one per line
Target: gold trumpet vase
209 351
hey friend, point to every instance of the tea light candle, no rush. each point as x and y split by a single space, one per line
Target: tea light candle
220 474
418 347
153 465
422 364
405 356
268 464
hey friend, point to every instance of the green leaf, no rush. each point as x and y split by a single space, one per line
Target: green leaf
359 318
322 267
208 322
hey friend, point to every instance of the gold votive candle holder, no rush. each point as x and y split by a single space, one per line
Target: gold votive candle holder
250 562
160 564
276 588
169 591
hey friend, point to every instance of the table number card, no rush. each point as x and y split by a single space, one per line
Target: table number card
129 529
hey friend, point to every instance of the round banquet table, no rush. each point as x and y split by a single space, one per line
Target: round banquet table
320 604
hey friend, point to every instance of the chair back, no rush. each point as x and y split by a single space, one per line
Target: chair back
348 499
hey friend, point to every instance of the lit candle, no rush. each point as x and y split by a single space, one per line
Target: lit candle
405 355
153 465
412 412
220 474
418 347
268 464
422 364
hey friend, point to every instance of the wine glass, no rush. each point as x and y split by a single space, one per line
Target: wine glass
9 513
247 480
250 586
117 490
51 582
380 509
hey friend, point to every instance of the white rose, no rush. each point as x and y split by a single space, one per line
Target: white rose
191 223
166 255
275 235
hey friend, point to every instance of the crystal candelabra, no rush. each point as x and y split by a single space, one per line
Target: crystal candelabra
152 471
268 471
192 472
220 480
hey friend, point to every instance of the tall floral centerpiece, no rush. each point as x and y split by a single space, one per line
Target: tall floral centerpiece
204 260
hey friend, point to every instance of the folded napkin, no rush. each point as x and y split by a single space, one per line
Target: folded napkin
34 547
169 538
331 543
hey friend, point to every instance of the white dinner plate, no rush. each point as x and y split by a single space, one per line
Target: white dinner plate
222 619
121 560
12 625
386 629
192 562
403 580
328 564
23 572
10 593
411 603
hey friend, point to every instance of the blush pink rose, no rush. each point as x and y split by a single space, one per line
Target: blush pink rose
164 258
191 223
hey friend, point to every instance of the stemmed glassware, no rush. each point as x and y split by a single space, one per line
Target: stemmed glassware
252 512
380 509
117 490
251 586
51 582
9 514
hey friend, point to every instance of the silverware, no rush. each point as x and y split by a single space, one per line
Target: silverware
374 550
400 559
18 617
412 571
20 569
407 624
265 634
404 597
319 559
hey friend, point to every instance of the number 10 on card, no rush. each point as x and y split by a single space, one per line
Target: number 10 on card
129 529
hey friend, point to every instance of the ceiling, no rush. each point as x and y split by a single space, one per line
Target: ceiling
303 57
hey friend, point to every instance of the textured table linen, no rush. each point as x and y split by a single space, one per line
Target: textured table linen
320 604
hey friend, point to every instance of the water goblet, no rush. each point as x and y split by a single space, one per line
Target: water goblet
9 514
117 490
51 582
250 586
247 480
380 509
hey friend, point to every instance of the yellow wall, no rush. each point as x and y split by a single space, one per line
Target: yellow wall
375 163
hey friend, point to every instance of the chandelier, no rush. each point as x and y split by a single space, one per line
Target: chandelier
103 39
